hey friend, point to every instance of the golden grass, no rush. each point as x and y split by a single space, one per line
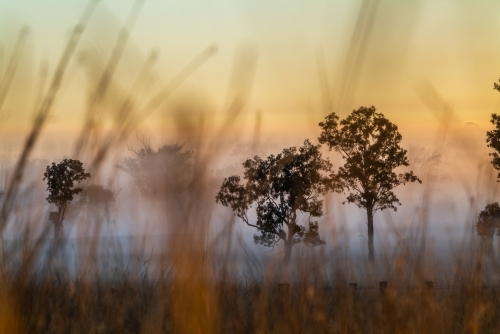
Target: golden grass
194 287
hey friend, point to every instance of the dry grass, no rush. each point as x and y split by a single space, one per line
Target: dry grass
191 288
51 305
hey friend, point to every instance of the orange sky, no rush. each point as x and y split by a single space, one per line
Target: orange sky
269 50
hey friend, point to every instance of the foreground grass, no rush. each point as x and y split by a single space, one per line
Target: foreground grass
190 301
54 305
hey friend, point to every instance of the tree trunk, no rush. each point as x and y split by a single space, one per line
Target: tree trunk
371 251
62 211
56 218
288 253
58 231
285 267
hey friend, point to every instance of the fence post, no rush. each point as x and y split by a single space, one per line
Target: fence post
383 287
352 288
284 289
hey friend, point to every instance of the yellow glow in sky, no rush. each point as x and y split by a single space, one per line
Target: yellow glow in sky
302 58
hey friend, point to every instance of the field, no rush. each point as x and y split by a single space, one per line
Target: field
149 242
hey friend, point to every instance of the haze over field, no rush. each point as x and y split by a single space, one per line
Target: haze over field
241 166
428 66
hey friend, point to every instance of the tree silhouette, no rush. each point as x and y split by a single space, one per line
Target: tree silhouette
370 145
61 178
496 86
165 169
493 140
98 201
488 221
281 187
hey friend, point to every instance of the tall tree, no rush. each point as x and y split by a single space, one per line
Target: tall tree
61 178
370 145
493 138
493 141
281 187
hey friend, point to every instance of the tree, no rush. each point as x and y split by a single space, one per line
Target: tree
488 221
165 169
281 187
370 145
97 195
493 141
97 199
61 178
493 138
496 86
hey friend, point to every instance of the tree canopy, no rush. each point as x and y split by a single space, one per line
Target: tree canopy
488 221
493 138
496 86
166 168
493 141
61 178
97 202
96 194
370 145
281 187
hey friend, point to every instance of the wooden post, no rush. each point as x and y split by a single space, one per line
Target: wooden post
351 297
352 288
284 288
429 284
284 294
383 287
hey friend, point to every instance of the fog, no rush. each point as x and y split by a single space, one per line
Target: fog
231 80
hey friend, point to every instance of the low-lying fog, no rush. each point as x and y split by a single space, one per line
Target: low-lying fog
436 219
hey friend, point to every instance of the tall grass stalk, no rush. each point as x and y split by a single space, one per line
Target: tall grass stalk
197 282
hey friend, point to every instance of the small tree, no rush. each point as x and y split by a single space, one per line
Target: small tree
488 221
60 182
97 199
369 144
281 187
166 168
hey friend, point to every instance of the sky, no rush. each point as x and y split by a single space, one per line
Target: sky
294 60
